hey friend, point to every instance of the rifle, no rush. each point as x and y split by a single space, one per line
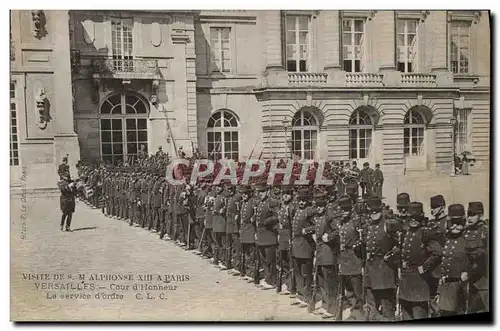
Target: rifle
314 286
339 305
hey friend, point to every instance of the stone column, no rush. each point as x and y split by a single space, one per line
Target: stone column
65 138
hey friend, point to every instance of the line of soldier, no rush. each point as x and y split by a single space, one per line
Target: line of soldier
333 254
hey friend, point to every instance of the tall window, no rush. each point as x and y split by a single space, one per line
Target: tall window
14 142
122 44
406 39
304 135
123 127
414 127
221 49
459 52
353 41
297 43
464 129
223 136
360 135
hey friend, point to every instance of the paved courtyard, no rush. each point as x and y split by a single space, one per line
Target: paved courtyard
109 246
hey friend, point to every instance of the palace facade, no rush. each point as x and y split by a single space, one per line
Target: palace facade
406 89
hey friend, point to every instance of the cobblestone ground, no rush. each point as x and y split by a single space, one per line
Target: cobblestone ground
104 245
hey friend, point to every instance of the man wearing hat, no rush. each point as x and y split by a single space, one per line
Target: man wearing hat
327 244
285 215
157 200
365 178
144 199
378 180
402 201
350 253
208 246
67 200
437 224
200 194
303 247
219 226
380 271
455 264
419 253
247 234
266 216
476 236
63 169
232 230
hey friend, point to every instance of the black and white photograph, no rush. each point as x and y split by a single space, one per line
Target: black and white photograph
274 165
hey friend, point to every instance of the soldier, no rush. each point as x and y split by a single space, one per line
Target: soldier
350 254
199 226
476 235
365 177
327 253
232 230
378 180
285 215
157 200
402 201
219 226
208 244
247 235
438 225
144 198
420 251
132 198
63 169
182 214
67 200
150 200
303 248
165 194
380 272
455 264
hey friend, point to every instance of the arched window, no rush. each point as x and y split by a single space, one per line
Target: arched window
414 128
304 135
360 134
223 136
123 127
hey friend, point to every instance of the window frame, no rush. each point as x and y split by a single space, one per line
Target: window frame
218 155
14 100
123 116
420 127
313 130
217 67
122 61
450 62
297 31
405 33
352 36
360 127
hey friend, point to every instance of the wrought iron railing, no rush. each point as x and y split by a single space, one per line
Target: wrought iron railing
118 66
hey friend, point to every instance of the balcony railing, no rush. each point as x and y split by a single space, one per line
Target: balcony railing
125 68
418 79
363 79
306 78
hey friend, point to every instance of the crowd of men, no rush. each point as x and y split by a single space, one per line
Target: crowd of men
332 250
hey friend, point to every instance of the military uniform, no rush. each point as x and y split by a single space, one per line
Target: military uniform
303 247
285 215
157 201
378 181
219 226
402 201
420 251
267 235
200 196
208 243
67 202
380 274
232 230
247 234
477 237
327 253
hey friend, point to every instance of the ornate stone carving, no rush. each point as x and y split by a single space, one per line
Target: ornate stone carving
477 16
372 14
42 109
423 15
38 24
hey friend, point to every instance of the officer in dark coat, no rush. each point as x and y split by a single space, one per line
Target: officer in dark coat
420 252
266 216
455 264
285 215
402 201
327 254
476 235
208 246
232 230
67 201
365 178
201 194
247 234
380 273
303 247
63 169
157 200
351 262
219 226
378 181
438 224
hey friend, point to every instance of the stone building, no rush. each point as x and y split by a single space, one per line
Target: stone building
405 89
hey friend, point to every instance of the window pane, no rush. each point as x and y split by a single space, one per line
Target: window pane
106 148
347 40
227 136
303 23
290 37
131 136
142 136
142 124
234 136
116 124
358 25
131 148
346 25
117 136
105 124
117 148
303 38
131 124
